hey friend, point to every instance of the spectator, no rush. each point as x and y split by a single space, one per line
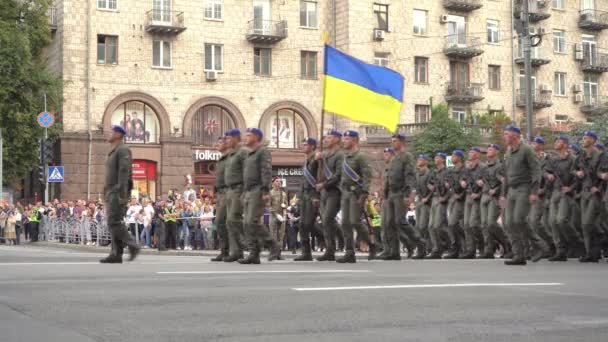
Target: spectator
293 226
206 219
9 230
148 216
186 224
131 217
189 194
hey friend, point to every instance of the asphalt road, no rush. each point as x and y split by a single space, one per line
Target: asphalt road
49 294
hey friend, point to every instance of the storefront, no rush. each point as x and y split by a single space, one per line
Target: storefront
291 178
144 179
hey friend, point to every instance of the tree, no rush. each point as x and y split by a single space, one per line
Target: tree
444 134
24 79
498 122
597 123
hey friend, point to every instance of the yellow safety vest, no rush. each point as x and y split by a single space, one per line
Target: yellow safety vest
169 219
34 217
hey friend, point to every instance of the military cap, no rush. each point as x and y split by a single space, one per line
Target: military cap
441 155
119 129
256 131
399 136
513 128
424 156
600 146
575 148
233 132
335 133
539 140
351 133
563 138
459 153
310 141
389 150
494 146
590 134
475 149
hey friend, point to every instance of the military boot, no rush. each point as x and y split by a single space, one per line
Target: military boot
435 254
372 251
329 254
223 254
133 251
559 256
420 250
275 251
348 258
306 253
112 259
253 258
516 261
233 257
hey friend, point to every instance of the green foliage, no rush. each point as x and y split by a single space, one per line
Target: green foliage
24 79
597 123
444 134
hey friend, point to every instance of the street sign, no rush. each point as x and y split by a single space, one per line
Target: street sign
448 162
46 119
55 174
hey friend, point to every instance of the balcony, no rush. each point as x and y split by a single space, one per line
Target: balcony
379 135
596 62
537 57
594 104
462 47
463 92
541 98
53 18
537 9
462 5
266 31
591 19
165 22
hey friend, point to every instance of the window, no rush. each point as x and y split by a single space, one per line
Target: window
559 41
421 66
560 84
558 4
381 59
209 123
422 113
492 29
161 54
139 121
494 77
308 64
459 115
107 50
308 13
214 59
560 118
106 4
381 15
213 9
590 89
261 61
285 128
420 21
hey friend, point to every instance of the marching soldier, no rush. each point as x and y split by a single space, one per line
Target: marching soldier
355 180
439 186
233 176
388 155
425 195
331 166
456 205
220 208
119 184
576 214
472 210
538 219
310 198
257 175
277 210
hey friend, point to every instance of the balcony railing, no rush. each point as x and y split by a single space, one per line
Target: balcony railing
464 92
538 56
537 9
591 19
462 5
541 98
377 134
462 46
594 104
266 31
53 18
595 62
167 22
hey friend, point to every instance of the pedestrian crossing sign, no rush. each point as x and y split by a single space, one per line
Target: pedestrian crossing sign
55 174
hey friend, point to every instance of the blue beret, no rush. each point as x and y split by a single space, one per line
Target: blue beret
575 147
513 128
590 134
441 155
399 136
335 133
459 153
389 150
119 129
311 141
494 146
475 149
563 138
256 131
352 134
233 132
424 156
600 146
539 140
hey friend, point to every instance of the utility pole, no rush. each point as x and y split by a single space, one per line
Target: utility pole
45 163
527 47
1 168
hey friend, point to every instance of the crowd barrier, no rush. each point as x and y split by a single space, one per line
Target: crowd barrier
72 230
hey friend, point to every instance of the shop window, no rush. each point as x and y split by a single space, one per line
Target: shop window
139 120
209 123
285 128
144 179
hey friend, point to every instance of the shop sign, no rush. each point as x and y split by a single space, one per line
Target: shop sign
289 172
206 155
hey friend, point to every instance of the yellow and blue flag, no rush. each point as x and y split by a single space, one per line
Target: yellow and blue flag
361 91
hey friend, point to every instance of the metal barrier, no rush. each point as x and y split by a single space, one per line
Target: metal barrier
72 230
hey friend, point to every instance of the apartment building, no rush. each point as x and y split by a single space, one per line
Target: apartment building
177 73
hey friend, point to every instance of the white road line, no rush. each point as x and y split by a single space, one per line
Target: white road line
420 286
262 272
46 263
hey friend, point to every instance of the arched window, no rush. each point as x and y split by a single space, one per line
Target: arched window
139 120
209 123
284 128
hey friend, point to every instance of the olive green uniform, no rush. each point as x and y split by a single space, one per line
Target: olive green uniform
220 207
472 211
119 183
440 179
308 209
330 198
539 216
590 202
277 206
423 206
456 211
233 176
491 175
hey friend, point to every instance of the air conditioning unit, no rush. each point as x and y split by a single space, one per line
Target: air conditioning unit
577 88
541 3
578 52
210 76
541 30
578 98
378 34
544 88
444 18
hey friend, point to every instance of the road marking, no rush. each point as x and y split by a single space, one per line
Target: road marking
420 286
46 263
262 272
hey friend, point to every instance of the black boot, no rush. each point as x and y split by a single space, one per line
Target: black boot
453 254
223 254
306 253
434 255
372 251
515 261
469 255
348 258
559 257
588 258
253 258
329 254
133 251
233 257
275 252
112 259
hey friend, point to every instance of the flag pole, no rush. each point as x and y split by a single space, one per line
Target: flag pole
322 128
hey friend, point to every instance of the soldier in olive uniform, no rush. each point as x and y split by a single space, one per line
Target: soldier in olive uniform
519 191
354 185
387 156
490 181
425 195
331 166
539 216
257 176
220 207
119 184
456 205
233 176
277 210
472 211
309 198
439 186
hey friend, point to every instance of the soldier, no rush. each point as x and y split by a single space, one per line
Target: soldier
559 174
233 176
331 167
425 195
354 185
576 214
586 173
519 191
538 219
387 156
220 207
439 186
472 210
257 175
490 181
278 215
119 184
309 197
456 205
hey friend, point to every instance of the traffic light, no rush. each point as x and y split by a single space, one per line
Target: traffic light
48 151
41 174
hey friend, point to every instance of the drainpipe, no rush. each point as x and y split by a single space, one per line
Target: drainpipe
88 97
513 116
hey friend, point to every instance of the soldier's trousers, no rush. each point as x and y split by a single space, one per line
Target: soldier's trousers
517 208
395 215
437 225
383 227
308 217
562 228
590 208
455 218
538 220
472 226
352 212
257 235
277 230
220 222
234 219
116 210
330 205
423 216
492 233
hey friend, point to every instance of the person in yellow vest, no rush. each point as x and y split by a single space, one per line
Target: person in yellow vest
34 220
171 225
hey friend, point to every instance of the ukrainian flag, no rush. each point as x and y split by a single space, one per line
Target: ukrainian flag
360 91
